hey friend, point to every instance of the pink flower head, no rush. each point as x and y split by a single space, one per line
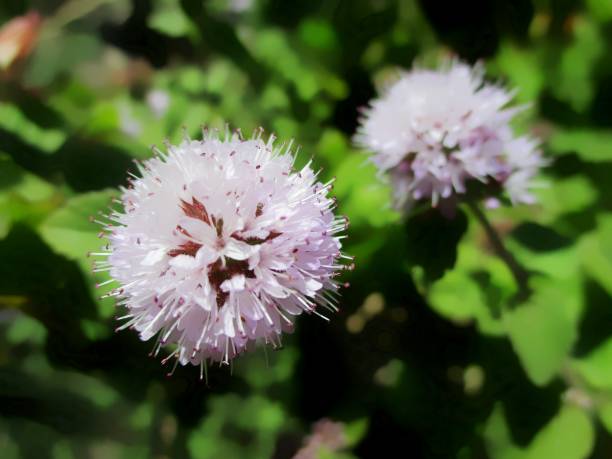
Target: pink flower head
433 131
327 436
18 37
221 242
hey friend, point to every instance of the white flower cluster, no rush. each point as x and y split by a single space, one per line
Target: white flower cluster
220 243
432 131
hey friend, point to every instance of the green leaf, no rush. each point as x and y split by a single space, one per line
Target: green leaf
24 197
355 431
262 369
498 438
523 68
458 297
274 97
575 79
543 329
605 415
589 144
596 367
361 195
601 9
477 289
317 34
565 196
13 120
257 416
103 118
432 241
595 252
24 329
169 19
559 264
333 146
69 232
569 435
60 54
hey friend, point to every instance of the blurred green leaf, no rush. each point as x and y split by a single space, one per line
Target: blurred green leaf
333 146
24 329
543 329
23 196
255 416
317 34
263 368
62 450
577 64
596 368
595 252
170 20
432 239
458 297
601 9
361 195
523 68
569 435
142 416
103 118
590 145
605 415
273 97
568 195
60 54
355 431
13 120
69 232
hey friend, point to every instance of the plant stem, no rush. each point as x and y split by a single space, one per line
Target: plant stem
521 275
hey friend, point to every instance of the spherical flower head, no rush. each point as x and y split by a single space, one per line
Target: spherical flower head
220 243
435 131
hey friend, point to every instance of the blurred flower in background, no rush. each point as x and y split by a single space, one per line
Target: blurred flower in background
158 101
17 38
327 437
433 131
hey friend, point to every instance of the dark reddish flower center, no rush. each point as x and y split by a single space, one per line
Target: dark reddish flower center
218 272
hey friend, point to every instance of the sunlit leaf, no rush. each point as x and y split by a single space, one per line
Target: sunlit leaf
591 145
70 232
169 19
596 252
13 120
596 367
569 435
543 329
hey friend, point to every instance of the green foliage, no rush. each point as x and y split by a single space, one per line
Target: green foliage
436 351
569 435
543 330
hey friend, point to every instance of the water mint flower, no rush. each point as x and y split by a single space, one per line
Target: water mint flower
220 243
434 131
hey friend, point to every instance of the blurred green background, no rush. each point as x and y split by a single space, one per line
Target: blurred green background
428 357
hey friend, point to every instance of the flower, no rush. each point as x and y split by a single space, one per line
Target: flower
220 243
17 38
158 102
327 436
433 131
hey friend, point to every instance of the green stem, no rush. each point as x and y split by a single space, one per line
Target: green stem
520 274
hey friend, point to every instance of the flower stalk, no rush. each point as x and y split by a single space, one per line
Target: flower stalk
520 274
